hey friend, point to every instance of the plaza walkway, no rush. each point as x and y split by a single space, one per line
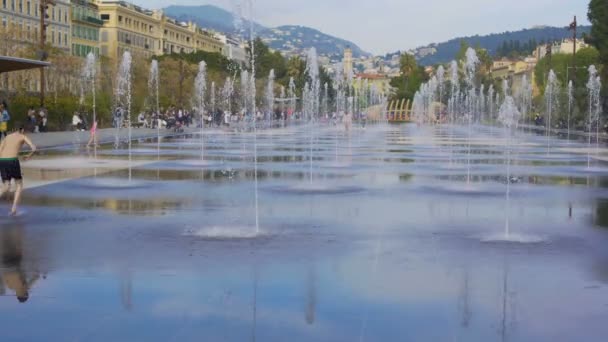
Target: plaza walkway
105 136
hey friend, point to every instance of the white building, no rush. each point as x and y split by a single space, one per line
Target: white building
234 49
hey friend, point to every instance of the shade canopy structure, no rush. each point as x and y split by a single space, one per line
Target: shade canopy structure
9 64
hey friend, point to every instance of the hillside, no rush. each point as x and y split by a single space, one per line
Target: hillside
207 16
287 39
446 51
297 39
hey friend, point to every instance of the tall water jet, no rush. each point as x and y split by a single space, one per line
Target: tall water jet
312 72
226 95
551 93
440 81
153 88
509 116
200 88
252 92
212 104
270 98
244 92
594 86
89 75
490 112
324 107
471 66
570 105
282 94
123 97
291 93
312 100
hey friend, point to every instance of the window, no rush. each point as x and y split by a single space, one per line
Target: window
20 6
59 16
29 8
65 39
3 3
105 17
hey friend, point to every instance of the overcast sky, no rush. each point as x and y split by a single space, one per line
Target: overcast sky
381 26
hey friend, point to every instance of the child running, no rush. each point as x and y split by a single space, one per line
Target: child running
10 168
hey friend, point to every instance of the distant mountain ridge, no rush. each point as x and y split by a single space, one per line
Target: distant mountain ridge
440 53
289 39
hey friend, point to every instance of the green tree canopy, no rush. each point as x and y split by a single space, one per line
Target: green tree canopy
598 16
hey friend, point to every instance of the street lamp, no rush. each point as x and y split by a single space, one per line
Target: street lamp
42 54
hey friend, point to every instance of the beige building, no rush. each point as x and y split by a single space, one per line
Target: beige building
566 46
381 82
347 62
20 21
85 28
127 27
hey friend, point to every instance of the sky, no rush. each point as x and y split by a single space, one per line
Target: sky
381 26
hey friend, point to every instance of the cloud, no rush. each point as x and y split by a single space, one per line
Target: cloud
388 25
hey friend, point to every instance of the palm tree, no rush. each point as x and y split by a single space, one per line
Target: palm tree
408 66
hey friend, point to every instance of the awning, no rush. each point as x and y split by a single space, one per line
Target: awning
8 64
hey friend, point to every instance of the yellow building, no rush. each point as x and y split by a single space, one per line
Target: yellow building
86 24
20 22
127 27
381 82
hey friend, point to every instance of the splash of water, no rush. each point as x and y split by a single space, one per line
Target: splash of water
551 99
570 104
509 116
270 96
200 89
123 97
594 86
153 88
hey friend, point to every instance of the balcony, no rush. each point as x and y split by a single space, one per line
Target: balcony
88 20
94 21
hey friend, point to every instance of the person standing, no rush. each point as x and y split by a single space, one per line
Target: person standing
10 167
4 119
31 120
43 120
93 138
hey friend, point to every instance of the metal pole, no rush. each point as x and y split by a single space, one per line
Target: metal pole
42 43
574 27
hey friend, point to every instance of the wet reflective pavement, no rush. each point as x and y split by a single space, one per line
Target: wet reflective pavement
395 239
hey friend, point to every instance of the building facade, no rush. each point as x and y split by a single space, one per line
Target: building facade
347 62
20 22
234 49
86 25
143 32
127 27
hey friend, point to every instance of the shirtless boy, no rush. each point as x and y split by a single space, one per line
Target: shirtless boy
10 168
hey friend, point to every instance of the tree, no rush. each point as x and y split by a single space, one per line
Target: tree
412 76
598 16
561 65
408 66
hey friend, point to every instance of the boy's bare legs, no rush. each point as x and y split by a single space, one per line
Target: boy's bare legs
18 190
6 186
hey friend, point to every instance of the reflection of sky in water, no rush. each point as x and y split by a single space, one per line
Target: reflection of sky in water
167 256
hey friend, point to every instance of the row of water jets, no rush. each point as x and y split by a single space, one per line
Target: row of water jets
469 103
